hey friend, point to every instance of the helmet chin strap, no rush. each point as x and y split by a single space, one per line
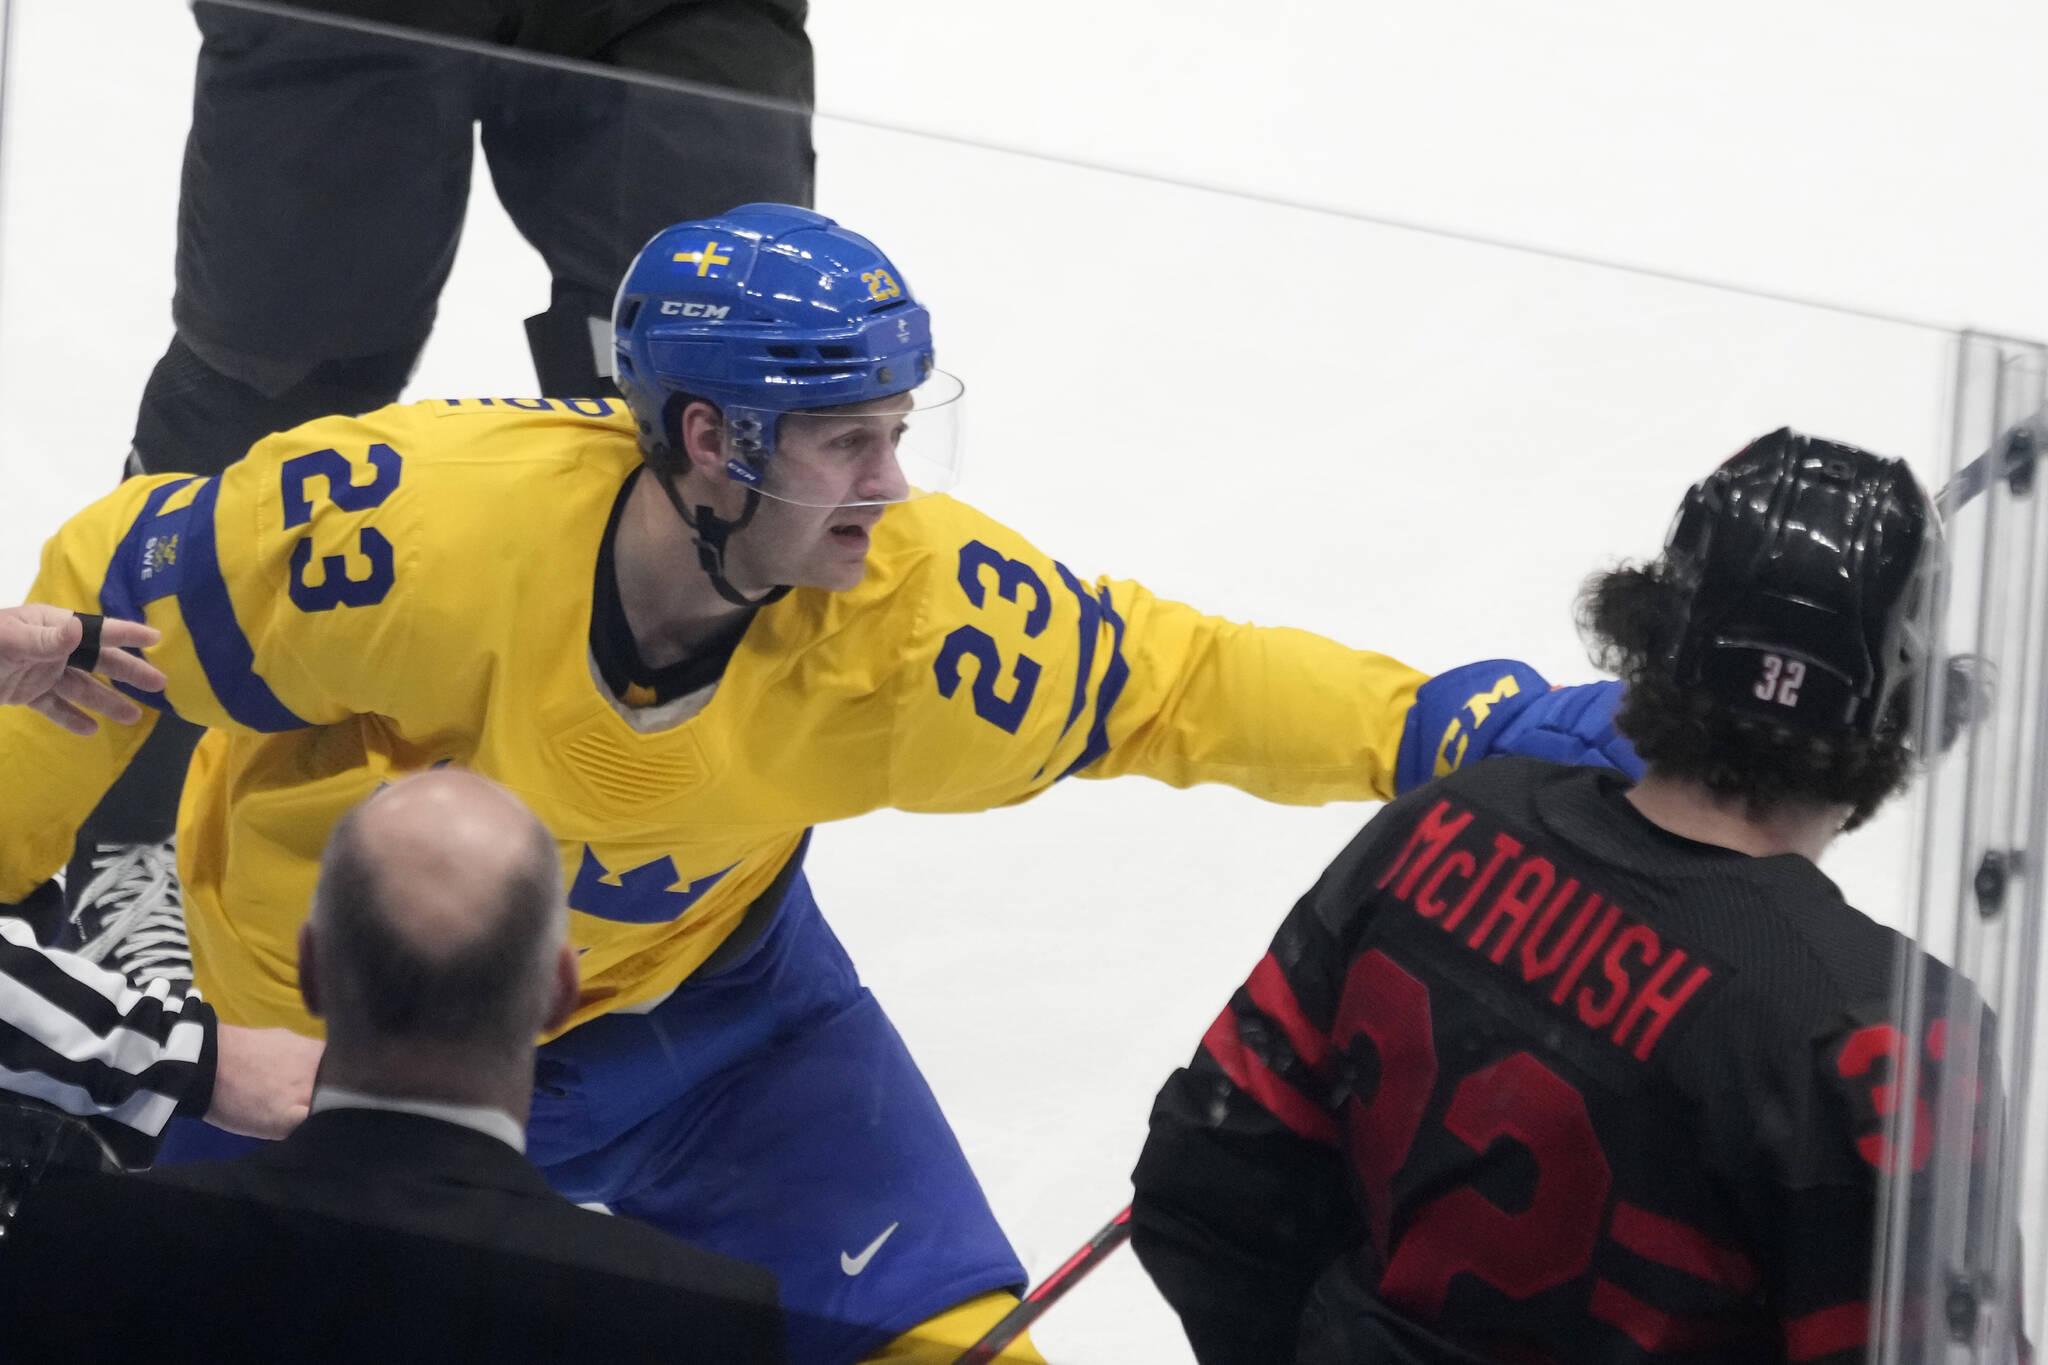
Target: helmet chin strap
709 533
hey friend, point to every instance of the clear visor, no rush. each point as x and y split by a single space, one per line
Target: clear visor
884 450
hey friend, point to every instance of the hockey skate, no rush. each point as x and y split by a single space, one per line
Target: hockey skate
129 913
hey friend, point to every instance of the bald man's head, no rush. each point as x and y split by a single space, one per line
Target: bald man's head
438 916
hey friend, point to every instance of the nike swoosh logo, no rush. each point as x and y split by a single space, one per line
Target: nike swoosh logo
853 1265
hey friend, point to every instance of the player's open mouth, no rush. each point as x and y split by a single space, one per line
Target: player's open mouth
852 533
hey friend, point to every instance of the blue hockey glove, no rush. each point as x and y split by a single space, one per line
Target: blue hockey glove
1503 706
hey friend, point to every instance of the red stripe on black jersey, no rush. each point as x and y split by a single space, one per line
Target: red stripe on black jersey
1267 986
1258 1080
1680 1246
1653 1329
1844 1327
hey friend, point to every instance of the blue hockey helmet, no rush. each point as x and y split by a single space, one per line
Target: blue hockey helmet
769 310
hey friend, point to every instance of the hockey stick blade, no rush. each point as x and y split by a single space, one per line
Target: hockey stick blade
1114 1234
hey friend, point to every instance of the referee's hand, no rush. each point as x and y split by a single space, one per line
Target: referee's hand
262 1080
36 669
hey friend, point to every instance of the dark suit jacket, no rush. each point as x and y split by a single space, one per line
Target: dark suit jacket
366 1236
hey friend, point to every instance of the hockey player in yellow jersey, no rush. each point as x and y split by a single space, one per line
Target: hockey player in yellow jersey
685 628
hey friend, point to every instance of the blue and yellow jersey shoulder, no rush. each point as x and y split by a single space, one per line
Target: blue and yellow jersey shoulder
360 598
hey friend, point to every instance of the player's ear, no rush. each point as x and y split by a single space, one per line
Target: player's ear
702 428
309 969
568 989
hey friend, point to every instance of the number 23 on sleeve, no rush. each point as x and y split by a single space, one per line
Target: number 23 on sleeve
336 588
1012 578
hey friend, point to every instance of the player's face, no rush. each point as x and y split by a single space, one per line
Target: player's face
831 474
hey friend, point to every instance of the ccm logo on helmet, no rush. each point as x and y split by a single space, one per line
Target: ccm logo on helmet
695 310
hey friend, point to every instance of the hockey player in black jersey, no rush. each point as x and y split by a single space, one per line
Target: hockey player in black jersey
1547 1067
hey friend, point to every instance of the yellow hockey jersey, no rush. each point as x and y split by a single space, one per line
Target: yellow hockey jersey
363 597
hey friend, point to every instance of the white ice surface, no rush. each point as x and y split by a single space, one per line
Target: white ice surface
1411 444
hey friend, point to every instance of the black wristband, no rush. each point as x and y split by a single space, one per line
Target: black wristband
87 655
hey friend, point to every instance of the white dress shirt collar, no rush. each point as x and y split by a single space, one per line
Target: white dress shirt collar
493 1122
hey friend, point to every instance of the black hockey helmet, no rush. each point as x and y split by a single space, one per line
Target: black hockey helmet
1808 568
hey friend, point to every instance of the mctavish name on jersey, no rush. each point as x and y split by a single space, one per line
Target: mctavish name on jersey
1553 928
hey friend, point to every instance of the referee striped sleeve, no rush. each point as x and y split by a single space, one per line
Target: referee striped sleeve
79 1038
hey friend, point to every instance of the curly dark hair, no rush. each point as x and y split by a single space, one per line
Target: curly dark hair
1630 618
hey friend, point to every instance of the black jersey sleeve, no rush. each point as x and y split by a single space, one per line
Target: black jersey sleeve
1243 1195
1813 1158
1235 1215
